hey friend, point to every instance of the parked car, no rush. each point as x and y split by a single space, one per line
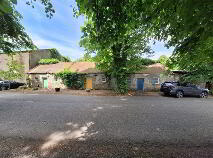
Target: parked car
4 85
189 90
166 87
14 84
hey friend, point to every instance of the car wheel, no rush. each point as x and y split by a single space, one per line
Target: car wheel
179 94
3 88
204 95
166 94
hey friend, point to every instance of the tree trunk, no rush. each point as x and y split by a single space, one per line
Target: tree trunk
120 69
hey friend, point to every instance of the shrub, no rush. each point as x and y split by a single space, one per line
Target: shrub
71 79
48 61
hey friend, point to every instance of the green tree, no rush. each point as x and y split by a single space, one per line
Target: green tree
15 71
114 34
163 59
66 59
187 26
147 61
87 58
12 34
48 61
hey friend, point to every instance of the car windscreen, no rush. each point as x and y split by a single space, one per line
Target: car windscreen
171 84
168 84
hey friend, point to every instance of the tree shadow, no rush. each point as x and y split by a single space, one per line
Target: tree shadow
77 132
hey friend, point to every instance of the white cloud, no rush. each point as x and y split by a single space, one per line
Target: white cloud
158 54
73 51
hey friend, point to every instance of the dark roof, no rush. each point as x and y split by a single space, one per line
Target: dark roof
179 72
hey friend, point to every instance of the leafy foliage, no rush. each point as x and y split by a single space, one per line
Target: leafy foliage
163 59
12 34
7 6
56 55
147 61
48 61
49 10
186 25
71 79
65 59
86 58
15 71
114 34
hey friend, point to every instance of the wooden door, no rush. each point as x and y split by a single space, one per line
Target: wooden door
140 84
89 83
45 83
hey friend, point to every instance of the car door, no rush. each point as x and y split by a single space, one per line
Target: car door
195 90
187 90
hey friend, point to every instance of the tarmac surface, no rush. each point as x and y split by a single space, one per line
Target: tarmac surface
57 126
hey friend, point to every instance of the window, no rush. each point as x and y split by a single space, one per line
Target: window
155 81
103 78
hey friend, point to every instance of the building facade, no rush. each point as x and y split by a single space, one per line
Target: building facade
29 59
148 79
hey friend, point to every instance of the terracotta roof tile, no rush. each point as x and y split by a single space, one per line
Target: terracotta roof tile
153 69
87 67
80 67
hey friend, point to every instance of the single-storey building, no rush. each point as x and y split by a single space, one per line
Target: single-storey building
147 79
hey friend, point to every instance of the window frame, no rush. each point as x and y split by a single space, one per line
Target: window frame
103 79
155 79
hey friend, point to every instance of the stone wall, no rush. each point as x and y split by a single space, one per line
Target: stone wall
22 58
29 59
35 56
148 81
97 82
37 81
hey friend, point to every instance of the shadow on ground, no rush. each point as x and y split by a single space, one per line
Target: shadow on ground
105 149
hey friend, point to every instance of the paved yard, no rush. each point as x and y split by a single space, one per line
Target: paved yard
54 126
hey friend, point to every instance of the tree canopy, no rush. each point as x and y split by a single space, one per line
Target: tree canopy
12 34
187 26
113 32
163 59
15 71
121 26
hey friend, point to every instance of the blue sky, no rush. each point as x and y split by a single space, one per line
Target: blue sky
63 30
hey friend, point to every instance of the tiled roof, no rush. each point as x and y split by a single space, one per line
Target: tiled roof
80 67
153 69
86 67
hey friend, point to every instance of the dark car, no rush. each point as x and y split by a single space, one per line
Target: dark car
189 90
166 87
14 84
4 85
